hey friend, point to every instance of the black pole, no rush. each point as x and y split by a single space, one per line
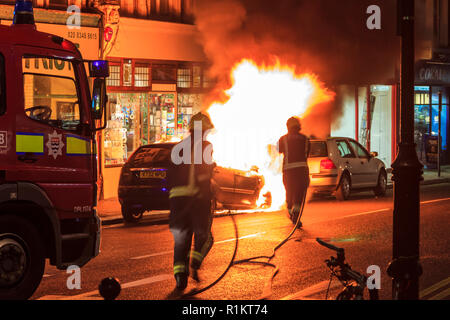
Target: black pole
407 173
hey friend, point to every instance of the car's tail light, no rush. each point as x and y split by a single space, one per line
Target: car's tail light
327 164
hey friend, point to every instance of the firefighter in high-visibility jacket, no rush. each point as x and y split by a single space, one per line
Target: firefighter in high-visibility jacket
190 200
295 148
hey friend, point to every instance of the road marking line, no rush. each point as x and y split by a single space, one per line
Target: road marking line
314 289
435 200
441 295
243 237
152 255
137 283
434 287
359 214
386 209
218 242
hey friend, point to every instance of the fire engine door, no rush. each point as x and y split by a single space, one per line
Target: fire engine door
53 148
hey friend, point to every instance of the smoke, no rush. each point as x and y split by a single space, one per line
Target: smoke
326 37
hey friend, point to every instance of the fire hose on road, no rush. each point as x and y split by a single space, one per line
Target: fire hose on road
268 287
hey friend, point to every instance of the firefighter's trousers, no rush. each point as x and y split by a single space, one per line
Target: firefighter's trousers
190 217
296 182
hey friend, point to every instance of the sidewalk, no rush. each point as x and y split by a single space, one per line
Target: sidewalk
109 209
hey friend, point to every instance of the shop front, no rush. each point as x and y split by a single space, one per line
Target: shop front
148 102
431 111
367 114
156 84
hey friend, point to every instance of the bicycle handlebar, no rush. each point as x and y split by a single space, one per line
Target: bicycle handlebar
329 246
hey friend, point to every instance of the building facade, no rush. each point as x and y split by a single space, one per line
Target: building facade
157 78
371 111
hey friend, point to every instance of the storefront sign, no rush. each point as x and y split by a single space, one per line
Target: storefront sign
432 73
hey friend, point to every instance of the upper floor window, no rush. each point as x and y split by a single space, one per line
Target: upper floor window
141 76
164 72
184 78
50 92
114 76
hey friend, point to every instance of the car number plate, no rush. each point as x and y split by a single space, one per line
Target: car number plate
152 174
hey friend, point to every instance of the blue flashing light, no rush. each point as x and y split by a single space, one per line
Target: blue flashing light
99 69
23 12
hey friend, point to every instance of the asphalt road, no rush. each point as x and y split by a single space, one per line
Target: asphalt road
140 256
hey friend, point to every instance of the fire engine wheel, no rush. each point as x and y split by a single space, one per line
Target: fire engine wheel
344 189
130 215
22 258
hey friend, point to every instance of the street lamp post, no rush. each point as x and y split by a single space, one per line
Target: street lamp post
405 268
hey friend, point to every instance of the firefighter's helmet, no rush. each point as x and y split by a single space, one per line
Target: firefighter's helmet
293 123
204 119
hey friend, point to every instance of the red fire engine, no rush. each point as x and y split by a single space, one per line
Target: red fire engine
48 191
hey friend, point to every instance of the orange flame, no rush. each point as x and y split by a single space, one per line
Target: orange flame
249 124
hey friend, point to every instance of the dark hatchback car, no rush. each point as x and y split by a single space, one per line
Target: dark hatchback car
143 184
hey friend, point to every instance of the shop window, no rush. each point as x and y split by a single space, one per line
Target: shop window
188 104
162 121
422 114
184 78
141 76
122 136
380 127
114 76
197 77
51 92
435 115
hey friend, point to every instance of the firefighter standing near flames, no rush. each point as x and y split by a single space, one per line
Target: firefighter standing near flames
295 149
190 201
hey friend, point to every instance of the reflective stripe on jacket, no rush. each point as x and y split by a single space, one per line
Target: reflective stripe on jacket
191 180
295 148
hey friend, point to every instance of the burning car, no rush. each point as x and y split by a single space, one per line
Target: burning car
143 183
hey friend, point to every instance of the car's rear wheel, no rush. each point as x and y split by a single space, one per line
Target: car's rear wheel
380 189
344 189
22 258
131 215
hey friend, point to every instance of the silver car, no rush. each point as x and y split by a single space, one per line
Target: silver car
340 166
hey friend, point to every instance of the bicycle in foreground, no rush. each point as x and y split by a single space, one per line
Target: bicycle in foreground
354 283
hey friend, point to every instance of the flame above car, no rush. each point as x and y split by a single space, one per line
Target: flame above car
249 124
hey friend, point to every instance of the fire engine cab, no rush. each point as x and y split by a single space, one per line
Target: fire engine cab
48 191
